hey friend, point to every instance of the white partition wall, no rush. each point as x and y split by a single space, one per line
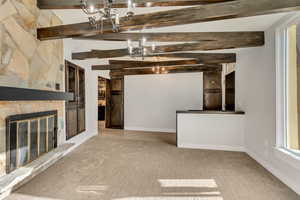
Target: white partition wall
210 131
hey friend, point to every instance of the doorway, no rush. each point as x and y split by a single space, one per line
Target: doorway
111 103
103 85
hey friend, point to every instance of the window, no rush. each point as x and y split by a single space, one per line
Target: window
291 82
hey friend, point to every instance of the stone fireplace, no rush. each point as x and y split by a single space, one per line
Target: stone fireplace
28 136
28 112
26 62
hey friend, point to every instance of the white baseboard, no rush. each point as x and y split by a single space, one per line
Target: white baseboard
212 147
290 183
79 139
150 129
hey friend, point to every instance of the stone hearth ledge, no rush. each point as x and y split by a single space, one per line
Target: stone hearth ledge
22 175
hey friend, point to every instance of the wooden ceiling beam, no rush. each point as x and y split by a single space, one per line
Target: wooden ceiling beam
134 63
225 43
169 70
76 4
204 13
174 36
129 64
208 58
114 53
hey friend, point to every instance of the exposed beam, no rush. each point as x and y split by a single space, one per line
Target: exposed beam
173 36
127 64
205 13
75 4
133 63
100 54
208 58
225 43
169 69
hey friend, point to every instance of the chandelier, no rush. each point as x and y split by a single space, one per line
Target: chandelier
139 51
97 16
159 70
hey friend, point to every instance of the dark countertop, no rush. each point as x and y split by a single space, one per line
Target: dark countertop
210 112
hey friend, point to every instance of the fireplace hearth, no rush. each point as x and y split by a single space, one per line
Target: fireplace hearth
29 136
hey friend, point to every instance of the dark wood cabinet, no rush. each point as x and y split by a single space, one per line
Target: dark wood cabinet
75 109
212 90
115 103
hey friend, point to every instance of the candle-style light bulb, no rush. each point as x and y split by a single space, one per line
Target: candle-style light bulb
144 40
117 20
130 50
153 47
91 8
129 5
129 42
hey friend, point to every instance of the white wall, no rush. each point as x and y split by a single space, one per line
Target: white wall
256 95
151 101
91 93
199 131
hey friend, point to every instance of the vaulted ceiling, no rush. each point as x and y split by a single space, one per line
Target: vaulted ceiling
164 24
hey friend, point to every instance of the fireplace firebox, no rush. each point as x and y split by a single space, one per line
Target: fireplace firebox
29 136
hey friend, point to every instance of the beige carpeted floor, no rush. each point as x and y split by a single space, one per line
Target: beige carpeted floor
148 166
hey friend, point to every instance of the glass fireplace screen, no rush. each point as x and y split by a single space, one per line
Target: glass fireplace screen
29 136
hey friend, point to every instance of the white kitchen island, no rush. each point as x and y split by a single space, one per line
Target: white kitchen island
215 130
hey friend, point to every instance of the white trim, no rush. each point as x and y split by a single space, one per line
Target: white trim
150 129
269 166
211 147
280 87
288 157
79 139
281 61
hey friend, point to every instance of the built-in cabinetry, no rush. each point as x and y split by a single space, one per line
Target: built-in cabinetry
212 91
75 109
115 103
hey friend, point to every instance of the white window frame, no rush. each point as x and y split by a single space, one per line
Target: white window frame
281 151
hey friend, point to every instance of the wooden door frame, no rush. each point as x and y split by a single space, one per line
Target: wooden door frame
123 109
107 100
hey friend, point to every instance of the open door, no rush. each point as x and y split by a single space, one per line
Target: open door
115 103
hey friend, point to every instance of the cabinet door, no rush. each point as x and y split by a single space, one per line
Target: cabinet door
116 103
212 91
75 109
81 101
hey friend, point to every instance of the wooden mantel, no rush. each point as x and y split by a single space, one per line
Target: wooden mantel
21 94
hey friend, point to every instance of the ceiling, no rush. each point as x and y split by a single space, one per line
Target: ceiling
258 23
